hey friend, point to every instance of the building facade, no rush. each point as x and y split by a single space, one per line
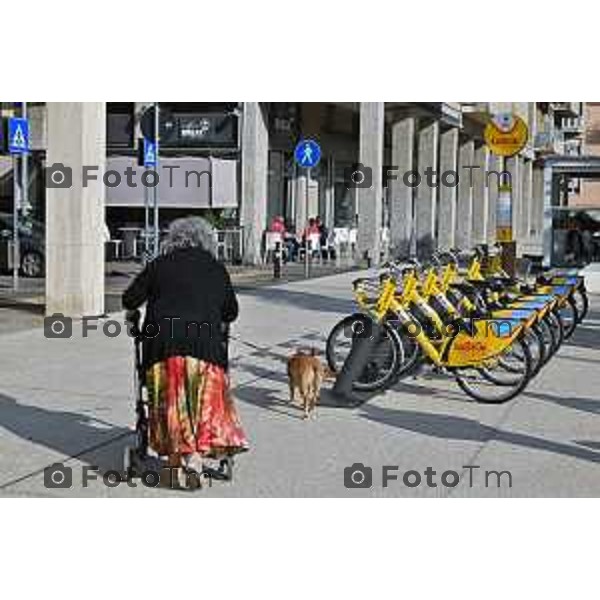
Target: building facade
248 150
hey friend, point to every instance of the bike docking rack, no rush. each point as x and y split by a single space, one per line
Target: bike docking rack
490 332
354 365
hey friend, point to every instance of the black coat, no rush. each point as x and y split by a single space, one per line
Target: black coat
189 297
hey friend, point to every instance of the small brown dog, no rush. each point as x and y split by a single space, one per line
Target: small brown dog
306 373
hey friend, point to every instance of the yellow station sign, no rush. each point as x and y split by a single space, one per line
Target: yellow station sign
506 135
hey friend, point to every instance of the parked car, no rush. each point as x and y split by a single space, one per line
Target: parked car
31 242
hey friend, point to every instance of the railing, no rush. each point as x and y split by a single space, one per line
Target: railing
572 124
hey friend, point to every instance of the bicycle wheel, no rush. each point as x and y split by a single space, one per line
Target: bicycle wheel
481 388
582 303
411 354
384 362
558 327
510 365
569 316
550 340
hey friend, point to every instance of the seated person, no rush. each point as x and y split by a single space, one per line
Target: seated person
277 225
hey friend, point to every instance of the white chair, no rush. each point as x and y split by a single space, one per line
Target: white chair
353 240
385 242
220 246
314 245
113 243
341 240
272 238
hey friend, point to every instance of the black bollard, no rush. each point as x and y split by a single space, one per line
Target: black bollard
362 348
277 259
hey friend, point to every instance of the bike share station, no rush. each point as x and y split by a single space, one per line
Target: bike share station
14 141
465 315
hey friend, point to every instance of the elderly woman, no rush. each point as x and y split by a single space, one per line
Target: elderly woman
188 296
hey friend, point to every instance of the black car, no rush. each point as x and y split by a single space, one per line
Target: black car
31 242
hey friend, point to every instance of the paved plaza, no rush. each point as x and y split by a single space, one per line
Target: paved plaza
71 401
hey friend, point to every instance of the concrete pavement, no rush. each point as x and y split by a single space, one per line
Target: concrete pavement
70 400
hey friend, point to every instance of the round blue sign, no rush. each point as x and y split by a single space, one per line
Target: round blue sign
307 154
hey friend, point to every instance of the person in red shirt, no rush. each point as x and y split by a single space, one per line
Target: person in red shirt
277 225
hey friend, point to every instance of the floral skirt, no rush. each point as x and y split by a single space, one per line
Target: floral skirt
191 410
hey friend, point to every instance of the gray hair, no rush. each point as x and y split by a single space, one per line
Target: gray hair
189 232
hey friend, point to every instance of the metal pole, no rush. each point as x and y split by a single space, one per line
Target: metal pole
19 201
306 248
15 241
147 254
156 150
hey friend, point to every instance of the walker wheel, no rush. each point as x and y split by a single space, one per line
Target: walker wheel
226 468
129 460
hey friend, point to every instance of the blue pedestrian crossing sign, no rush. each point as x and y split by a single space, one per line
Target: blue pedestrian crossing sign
149 153
307 154
18 135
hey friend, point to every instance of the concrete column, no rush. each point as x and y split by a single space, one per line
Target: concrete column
514 165
448 193
492 180
426 195
524 228
255 165
329 192
401 195
536 222
300 215
275 183
75 215
480 196
464 205
370 199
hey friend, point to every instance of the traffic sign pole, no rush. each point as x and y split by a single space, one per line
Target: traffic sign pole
15 241
18 144
306 208
155 189
307 155
147 254
24 171
506 135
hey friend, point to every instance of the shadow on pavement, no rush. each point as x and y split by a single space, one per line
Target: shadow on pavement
303 300
461 428
587 336
589 444
71 434
267 399
583 404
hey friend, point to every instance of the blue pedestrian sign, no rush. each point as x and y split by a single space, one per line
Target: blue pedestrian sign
149 153
307 154
18 135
